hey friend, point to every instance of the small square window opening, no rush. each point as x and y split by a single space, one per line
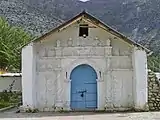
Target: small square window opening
83 30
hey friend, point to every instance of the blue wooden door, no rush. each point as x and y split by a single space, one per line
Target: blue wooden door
83 88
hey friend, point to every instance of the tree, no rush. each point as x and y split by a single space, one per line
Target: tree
154 62
11 41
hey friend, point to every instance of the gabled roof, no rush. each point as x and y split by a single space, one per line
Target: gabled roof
107 28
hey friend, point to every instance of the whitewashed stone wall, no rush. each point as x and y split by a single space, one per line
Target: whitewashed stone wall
153 91
56 55
59 53
5 83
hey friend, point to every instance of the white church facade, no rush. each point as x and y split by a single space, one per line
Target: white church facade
84 65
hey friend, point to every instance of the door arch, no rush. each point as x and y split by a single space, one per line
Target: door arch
83 87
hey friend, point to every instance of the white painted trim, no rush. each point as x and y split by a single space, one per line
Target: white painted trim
11 75
140 80
28 76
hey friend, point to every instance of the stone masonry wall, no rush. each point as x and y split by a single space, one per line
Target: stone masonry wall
153 92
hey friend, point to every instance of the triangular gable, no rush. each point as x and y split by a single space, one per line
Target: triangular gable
98 22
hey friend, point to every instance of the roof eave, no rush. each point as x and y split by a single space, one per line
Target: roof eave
85 14
118 34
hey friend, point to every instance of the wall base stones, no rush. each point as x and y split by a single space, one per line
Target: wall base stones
153 92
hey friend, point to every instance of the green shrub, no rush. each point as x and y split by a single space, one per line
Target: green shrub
4 104
9 98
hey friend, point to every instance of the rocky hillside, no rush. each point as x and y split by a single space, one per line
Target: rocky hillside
138 19
23 15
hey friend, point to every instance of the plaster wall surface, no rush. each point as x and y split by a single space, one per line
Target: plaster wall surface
59 53
140 86
5 83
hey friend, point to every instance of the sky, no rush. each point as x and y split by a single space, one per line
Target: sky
84 0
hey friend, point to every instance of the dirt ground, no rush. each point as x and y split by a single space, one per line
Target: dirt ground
9 115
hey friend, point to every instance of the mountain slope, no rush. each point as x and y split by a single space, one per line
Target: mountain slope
32 20
137 19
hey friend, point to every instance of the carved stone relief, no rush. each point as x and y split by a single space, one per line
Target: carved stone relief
114 89
58 43
48 51
97 42
51 52
108 51
84 51
51 82
108 42
48 65
70 42
89 41
58 52
58 63
45 52
40 67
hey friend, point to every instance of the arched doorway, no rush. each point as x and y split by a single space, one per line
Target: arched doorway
83 88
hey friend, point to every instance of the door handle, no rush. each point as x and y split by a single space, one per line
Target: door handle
82 94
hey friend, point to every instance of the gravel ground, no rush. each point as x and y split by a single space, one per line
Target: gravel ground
80 116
